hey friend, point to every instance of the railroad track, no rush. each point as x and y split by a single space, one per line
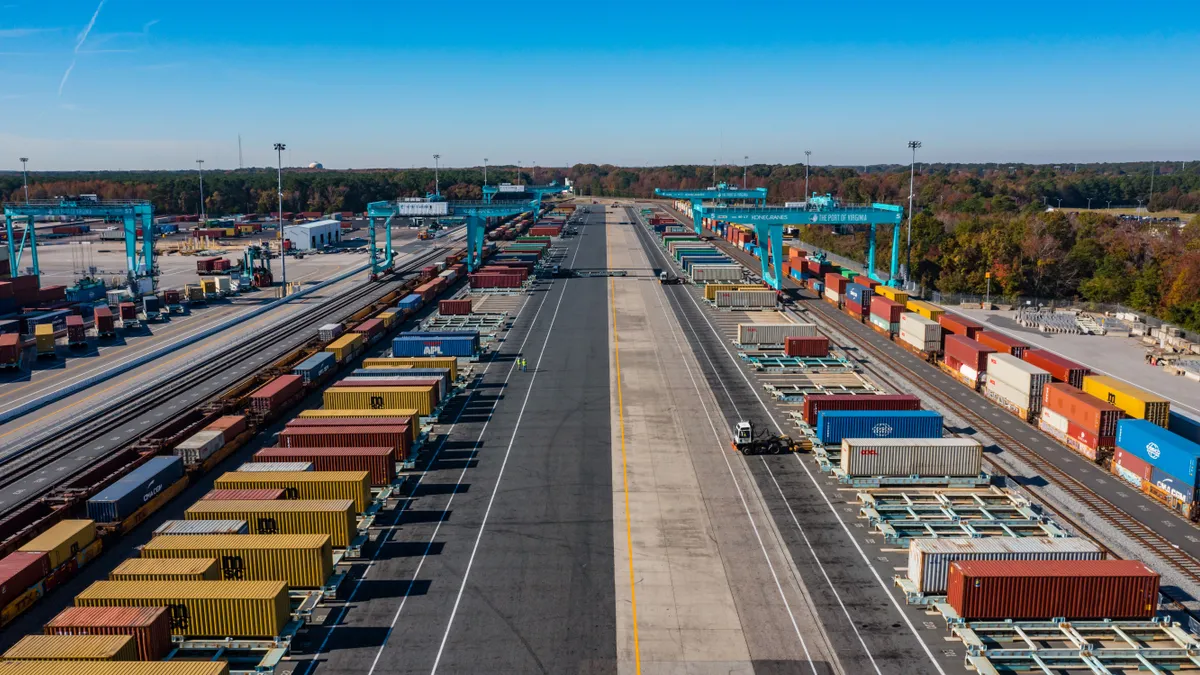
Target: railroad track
35 454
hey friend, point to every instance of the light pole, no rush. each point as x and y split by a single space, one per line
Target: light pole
437 187
912 180
485 160
807 161
714 173
533 176
279 148
1089 203
1059 202
1108 204
200 168
745 165
25 176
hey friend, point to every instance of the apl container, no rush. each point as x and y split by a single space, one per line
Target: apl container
150 627
250 609
121 499
1172 455
834 425
1045 589
301 560
929 560
903 457
425 344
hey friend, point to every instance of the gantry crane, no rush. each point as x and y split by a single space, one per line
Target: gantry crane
720 193
768 222
524 192
475 213
132 212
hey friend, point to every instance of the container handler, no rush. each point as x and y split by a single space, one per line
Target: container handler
43 335
151 307
763 443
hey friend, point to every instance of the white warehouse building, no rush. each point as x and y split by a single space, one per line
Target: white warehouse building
314 235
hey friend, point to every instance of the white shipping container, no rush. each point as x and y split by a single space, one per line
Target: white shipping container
929 560
224 284
687 243
1008 393
1017 374
921 328
773 333
329 332
1054 420
200 446
746 299
884 324
276 466
832 294
718 272
932 345
903 457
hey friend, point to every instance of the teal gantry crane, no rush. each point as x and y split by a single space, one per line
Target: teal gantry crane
475 213
524 191
132 212
768 222
720 193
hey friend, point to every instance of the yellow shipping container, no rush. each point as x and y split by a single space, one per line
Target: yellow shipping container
73 648
246 229
63 541
925 309
167 569
414 362
115 668
1135 402
43 335
893 294
302 560
201 608
352 485
333 517
423 399
345 346
230 231
388 317
711 290
208 286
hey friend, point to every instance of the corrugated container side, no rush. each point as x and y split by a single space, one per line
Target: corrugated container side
968 353
1161 449
1044 589
124 497
218 526
73 648
115 668
269 493
804 346
814 404
421 399
334 518
903 457
929 560
959 325
202 608
150 627
773 333
416 362
301 560
1063 370
200 446
1001 342
20 570
166 569
1085 410
378 461
353 485
63 541
1136 402
834 425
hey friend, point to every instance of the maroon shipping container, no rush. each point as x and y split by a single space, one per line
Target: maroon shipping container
128 311
429 272
1044 589
6 289
379 461
1063 370
24 284
229 426
393 382
886 309
149 626
20 570
454 307
836 281
104 321
1090 438
1135 465
397 437
206 264
967 352
495 280
76 333
815 404
271 395
814 346
959 325
1097 416
372 328
1001 342
266 494
52 294
171 296
10 348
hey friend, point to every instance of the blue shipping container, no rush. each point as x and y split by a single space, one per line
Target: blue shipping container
1181 425
121 499
312 368
434 345
818 286
57 318
834 425
859 295
1170 453
1176 487
409 302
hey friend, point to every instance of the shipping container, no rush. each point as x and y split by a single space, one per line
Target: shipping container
454 307
461 344
276 466
903 457
959 325
442 375
311 369
1062 370
134 490
929 560
73 648
200 446
1135 402
76 333
346 347
378 461
172 528
230 425
44 339
262 493
1161 449
894 294
860 297
103 316
353 485
329 332
1182 425
415 362
19 571
1089 412
1131 468
301 560
401 379
710 290
717 273
422 399
167 569
773 333
1001 342
1045 589
815 403
10 350
286 516
1175 487
836 282
760 299
364 418
966 355
834 425
63 541
886 309
150 627
398 438
926 310
1023 377
115 668
269 397
921 333
806 346
219 609
371 328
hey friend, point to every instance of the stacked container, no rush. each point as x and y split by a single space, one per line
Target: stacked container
1084 423
134 490
858 300
332 517
301 560
1135 402
1001 342
1172 458
460 344
1015 385
885 314
959 325
204 608
150 627
314 367
966 357
746 299
929 560
834 425
347 346
1062 370
271 396
380 461
353 485
80 648
814 404
920 333
931 312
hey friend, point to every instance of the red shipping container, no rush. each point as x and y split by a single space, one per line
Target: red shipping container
888 310
24 284
836 281
6 289
817 346
171 296
815 404
865 281
372 328
52 294
206 264
10 348
1001 342
396 437
1063 370
271 395
128 311
495 280
234 495
149 626
1133 464
959 325
229 425
76 333
967 352
1044 589
104 320
1089 438
454 307
379 461
1089 412
20 570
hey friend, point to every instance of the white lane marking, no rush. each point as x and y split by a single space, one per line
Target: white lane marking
849 534
500 476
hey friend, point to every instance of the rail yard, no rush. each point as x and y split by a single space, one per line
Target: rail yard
594 435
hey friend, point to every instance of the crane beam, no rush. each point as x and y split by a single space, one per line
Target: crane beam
720 193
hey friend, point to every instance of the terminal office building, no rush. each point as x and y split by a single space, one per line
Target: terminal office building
314 235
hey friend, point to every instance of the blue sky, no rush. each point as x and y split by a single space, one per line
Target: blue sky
368 83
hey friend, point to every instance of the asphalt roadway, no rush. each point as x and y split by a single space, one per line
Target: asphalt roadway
502 560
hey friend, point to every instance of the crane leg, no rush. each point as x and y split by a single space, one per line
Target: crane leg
895 268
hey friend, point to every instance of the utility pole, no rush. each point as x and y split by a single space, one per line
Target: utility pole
1089 203
714 173
25 176
745 165
200 168
1059 202
279 148
437 186
807 161
240 164
912 179
485 161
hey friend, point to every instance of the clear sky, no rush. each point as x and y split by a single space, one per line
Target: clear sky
370 83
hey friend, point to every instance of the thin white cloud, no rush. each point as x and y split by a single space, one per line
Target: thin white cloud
79 44
21 32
